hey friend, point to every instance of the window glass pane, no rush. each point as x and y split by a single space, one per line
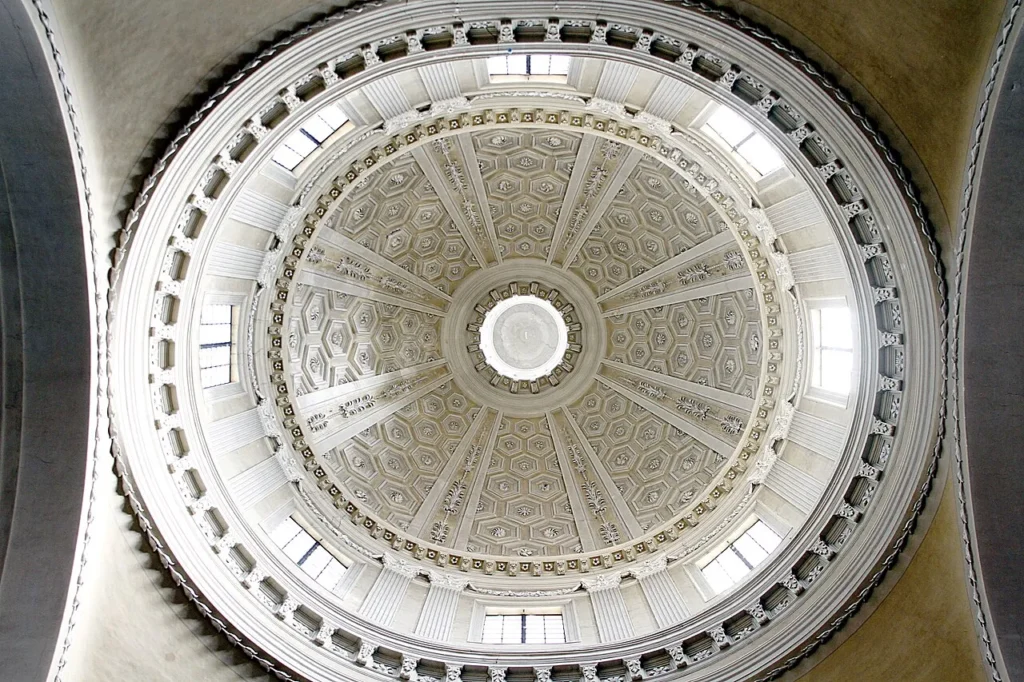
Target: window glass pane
732 564
215 345
515 65
540 64
214 333
215 356
549 64
523 629
528 65
729 126
534 630
717 577
736 560
285 531
497 66
554 630
750 550
333 116
816 326
314 131
832 359
299 143
764 536
330 576
559 64
511 629
316 561
215 376
298 546
492 629
836 370
216 314
836 330
318 128
816 368
760 154
286 157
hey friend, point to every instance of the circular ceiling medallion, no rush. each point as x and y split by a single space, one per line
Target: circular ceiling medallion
524 337
553 306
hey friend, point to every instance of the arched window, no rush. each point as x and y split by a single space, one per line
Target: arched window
524 628
733 563
518 66
759 156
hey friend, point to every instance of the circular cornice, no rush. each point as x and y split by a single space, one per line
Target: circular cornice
524 337
518 398
895 439
748 228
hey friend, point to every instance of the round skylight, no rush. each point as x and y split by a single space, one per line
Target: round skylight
524 338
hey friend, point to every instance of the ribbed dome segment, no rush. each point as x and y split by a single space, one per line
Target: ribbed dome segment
637 266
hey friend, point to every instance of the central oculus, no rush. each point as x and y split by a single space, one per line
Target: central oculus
523 337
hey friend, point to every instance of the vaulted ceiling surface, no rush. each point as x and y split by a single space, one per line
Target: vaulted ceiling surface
976 27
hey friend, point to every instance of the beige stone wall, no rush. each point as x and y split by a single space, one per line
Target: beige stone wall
915 64
923 630
922 62
133 624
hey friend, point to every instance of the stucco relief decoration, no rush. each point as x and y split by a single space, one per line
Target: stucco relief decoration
624 418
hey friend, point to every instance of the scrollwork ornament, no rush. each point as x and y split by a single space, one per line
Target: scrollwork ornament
364 656
323 634
783 270
402 567
718 635
650 567
452 672
602 582
407 671
448 581
286 610
678 655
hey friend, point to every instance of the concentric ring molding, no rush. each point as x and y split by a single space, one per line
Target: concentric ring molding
535 315
704 181
475 384
873 195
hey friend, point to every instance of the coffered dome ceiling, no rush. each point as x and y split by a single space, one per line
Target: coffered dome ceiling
503 345
393 285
